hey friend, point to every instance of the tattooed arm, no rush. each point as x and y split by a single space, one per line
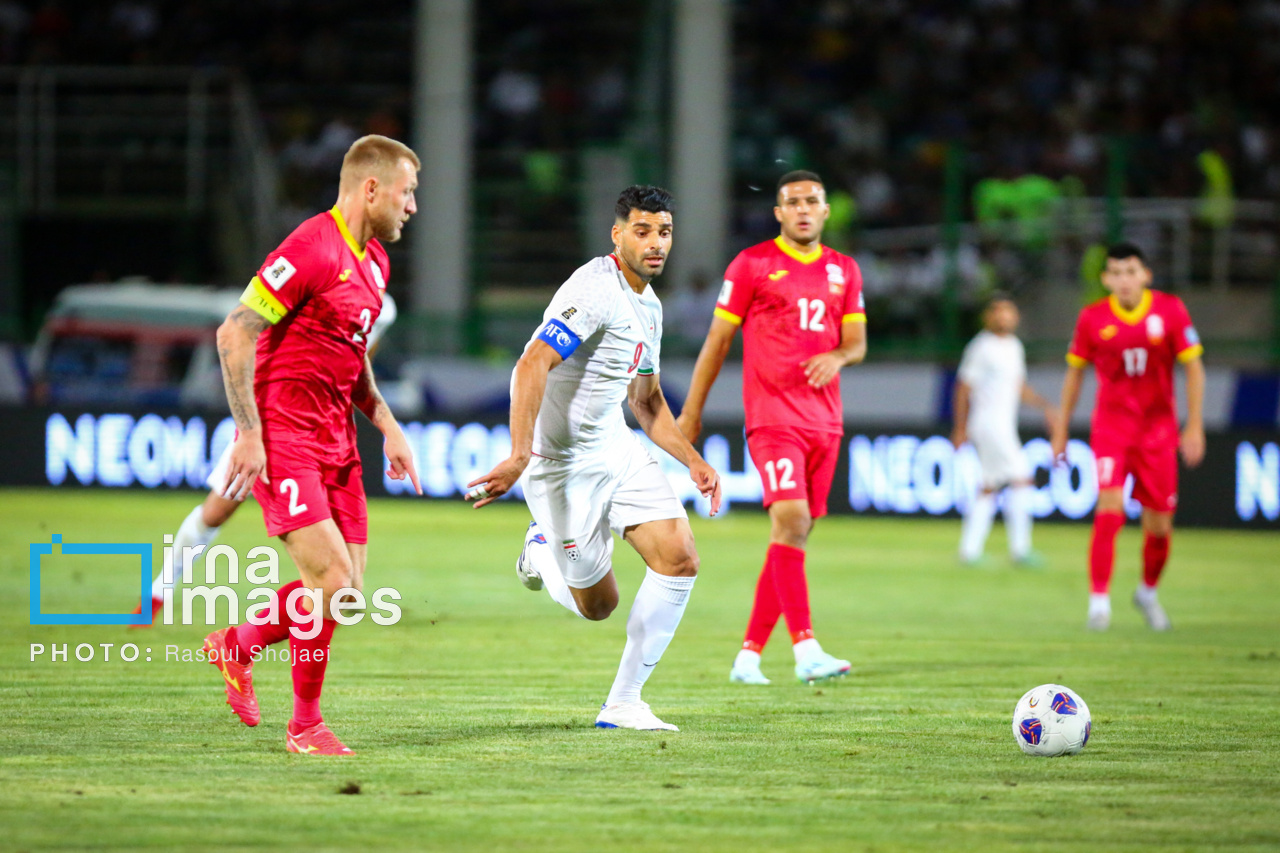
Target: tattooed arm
237 344
368 399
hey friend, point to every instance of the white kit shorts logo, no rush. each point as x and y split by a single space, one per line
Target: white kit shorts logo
278 272
571 550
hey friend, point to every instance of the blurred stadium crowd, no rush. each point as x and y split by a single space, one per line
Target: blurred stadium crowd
867 90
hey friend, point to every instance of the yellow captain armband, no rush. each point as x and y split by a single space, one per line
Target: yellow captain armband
1075 360
856 317
1193 351
263 301
725 315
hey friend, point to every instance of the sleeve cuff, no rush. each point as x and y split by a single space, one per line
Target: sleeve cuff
725 315
1192 352
1075 360
263 301
856 317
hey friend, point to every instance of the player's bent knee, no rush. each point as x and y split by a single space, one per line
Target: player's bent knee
597 609
685 564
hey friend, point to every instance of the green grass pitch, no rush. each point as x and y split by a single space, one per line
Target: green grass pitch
472 717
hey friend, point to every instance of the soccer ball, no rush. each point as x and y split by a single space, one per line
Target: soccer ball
1051 720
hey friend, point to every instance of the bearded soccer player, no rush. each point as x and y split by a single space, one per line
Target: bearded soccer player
587 476
800 307
1133 338
295 365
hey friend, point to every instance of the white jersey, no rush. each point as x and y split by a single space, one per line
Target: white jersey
610 334
995 368
385 318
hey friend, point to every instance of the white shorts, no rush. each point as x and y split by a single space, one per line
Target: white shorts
1001 457
578 503
217 479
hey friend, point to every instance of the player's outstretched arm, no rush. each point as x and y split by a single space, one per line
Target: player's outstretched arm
825 366
237 349
528 385
368 399
959 413
711 358
1192 440
1031 398
1062 424
649 405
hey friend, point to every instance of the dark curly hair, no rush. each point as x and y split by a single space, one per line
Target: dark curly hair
646 198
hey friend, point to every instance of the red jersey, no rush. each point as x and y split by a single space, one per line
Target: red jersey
791 306
321 293
1133 354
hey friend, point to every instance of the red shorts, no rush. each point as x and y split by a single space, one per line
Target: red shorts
795 464
1154 467
307 488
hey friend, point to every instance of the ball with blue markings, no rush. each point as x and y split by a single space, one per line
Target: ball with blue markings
1051 720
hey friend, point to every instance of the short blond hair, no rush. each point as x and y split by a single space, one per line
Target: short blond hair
375 156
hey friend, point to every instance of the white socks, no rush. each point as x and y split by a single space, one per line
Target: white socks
747 659
193 533
804 648
545 564
1017 521
655 614
1099 602
977 524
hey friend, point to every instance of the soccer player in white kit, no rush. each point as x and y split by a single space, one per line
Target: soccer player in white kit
990 384
587 475
201 526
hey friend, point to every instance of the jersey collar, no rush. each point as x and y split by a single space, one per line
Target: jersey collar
346 233
792 252
1134 317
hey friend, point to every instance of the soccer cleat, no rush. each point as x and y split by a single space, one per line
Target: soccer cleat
1157 619
238 678
820 667
315 740
631 715
982 561
157 606
524 565
745 673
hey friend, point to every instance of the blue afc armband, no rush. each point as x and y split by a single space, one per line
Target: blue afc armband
557 336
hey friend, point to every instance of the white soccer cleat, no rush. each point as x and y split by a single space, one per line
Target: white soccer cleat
820 667
631 715
524 564
1157 619
747 673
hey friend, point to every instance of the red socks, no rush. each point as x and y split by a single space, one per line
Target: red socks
309 659
1102 549
248 639
788 593
764 611
1155 553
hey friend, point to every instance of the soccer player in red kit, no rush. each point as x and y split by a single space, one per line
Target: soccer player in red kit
1133 338
294 363
800 307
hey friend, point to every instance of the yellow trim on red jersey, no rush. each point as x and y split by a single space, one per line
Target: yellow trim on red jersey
263 301
1075 360
791 252
856 317
1193 351
346 233
1135 316
726 315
